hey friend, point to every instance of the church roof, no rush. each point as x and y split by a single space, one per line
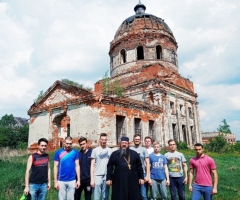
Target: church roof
72 95
157 23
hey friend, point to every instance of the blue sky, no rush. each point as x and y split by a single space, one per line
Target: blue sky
43 41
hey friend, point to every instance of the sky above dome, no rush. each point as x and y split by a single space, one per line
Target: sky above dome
44 41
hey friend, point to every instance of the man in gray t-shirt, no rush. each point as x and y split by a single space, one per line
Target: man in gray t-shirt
145 163
177 167
99 159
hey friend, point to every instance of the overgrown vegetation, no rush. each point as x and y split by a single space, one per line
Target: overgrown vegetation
11 136
219 144
70 82
39 96
182 145
225 128
65 80
112 87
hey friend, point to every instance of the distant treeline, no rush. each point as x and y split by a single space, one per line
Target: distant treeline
12 136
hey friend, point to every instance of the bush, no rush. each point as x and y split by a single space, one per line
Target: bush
217 144
237 147
22 145
12 137
182 145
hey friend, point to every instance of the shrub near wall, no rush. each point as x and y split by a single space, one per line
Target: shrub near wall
182 145
219 145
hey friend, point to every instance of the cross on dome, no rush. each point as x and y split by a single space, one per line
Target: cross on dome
140 8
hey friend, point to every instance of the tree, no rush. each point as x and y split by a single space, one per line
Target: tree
7 121
106 83
112 87
217 144
11 136
225 128
39 96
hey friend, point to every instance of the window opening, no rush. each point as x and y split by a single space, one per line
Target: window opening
159 52
184 133
193 135
173 57
172 107
151 129
120 128
123 56
190 112
174 128
137 125
140 53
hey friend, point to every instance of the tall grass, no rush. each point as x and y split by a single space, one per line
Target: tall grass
13 166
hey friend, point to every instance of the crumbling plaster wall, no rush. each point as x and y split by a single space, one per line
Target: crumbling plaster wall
38 127
107 121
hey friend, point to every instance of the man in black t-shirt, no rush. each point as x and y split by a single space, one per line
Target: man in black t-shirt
38 182
85 164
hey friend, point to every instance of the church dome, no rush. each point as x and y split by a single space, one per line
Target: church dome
150 22
141 40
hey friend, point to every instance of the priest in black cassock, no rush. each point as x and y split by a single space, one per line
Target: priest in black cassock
124 172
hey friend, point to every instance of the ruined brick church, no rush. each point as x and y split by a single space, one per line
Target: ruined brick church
157 100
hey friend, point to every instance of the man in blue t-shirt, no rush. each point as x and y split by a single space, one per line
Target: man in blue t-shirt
159 172
66 169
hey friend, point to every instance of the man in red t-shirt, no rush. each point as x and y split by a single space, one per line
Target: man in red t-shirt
203 167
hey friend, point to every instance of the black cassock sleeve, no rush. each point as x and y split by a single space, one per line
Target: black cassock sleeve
110 167
139 168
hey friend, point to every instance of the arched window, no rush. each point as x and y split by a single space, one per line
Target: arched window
173 57
159 52
123 56
140 53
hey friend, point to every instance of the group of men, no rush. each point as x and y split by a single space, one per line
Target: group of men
133 172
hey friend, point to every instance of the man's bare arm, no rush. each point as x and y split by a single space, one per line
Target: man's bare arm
77 169
28 168
215 181
147 178
190 179
49 176
55 173
92 172
167 175
185 168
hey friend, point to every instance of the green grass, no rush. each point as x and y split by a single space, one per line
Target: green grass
12 171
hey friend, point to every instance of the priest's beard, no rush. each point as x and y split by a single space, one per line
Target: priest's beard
124 152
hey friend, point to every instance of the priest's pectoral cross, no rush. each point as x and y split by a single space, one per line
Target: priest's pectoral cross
129 166
128 162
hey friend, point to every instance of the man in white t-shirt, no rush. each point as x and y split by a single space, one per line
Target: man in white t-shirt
148 144
176 166
99 159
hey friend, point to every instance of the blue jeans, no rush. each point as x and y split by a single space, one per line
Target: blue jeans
177 187
143 189
159 186
38 191
199 190
100 188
